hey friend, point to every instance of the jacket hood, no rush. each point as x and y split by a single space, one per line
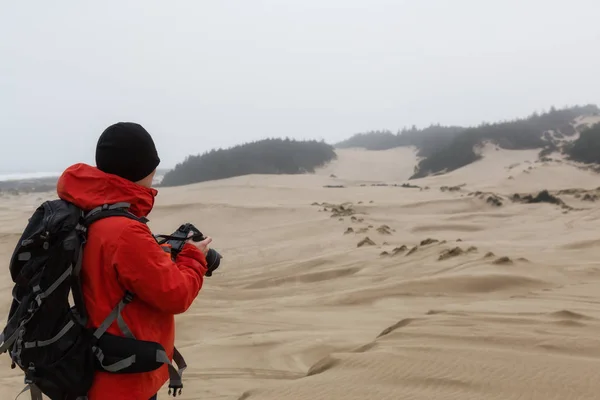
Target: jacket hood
87 187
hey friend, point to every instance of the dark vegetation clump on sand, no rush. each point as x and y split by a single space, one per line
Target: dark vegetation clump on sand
503 261
456 188
403 185
400 249
443 254
365 242
384 230
490 198
542 197
494 200
339 210
455 252
268 156
583 194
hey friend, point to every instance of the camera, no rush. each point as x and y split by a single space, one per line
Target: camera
178 239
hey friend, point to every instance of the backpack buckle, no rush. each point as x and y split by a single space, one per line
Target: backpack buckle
35 305
98 352
173 389
29 374
128 298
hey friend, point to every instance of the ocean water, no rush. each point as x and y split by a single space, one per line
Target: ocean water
37 175
27 175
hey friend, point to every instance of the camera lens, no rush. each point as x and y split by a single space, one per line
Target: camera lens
213 260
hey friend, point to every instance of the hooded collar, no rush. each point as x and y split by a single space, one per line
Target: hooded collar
87 187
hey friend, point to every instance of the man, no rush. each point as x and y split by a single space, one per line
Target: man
121 255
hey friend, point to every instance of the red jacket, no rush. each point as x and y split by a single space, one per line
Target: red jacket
121 254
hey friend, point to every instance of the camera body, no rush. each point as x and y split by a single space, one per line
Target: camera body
178 239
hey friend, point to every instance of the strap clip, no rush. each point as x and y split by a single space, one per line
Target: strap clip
128 298
173 389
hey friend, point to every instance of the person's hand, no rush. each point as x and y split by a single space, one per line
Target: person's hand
203 245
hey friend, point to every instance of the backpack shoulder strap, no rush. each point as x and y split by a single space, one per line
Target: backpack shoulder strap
110 210
104 211
98 213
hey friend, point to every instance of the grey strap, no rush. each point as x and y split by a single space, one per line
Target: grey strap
9 342
41 343
107 207
53 287
116 367
115 314
121 322
79 261
178 358
36 393
175 375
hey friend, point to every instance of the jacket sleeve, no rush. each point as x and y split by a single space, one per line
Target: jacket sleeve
146 270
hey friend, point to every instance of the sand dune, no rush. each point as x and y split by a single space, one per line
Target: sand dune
453 297
362 165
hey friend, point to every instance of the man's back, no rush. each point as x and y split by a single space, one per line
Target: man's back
122 255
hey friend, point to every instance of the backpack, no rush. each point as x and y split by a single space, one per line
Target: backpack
45 335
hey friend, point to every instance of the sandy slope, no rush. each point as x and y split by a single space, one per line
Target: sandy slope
299 312
362 165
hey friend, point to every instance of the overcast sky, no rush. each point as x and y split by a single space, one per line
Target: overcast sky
205 74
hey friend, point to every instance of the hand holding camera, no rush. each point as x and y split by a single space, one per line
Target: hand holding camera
202 245
188 233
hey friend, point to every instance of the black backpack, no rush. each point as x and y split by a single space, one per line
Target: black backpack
45 335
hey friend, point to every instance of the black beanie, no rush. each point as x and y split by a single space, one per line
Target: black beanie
126 149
